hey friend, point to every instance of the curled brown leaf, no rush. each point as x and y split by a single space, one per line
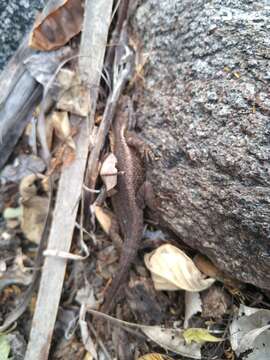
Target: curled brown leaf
56 25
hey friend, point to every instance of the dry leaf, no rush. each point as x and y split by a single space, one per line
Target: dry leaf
199 336
42 66
155 356
173 340
107 262
75 99
70 93
16 275
108 172
34 209
206 266
69 156
193 305
210 269
169 339
22 166
171 269
63 156
58 121
88 356
141 59
86 336
215 302
250 331
12 223
57 24
104 218
64 80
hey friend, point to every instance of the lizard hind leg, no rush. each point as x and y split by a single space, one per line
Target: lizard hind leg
120 278
114 233
146 196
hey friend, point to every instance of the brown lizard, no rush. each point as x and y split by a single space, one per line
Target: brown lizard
133 191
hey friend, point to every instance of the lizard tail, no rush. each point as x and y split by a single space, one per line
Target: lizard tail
117 282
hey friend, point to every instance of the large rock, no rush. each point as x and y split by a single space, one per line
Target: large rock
16 19
204 108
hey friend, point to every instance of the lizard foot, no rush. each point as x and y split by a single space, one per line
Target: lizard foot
133 140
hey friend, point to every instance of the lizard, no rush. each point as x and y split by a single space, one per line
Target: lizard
133 191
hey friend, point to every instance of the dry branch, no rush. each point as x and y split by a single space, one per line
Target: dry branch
19 94
60 239
97 19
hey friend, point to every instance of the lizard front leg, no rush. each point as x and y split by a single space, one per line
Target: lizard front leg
134 141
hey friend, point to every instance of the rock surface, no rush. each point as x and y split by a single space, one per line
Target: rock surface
204 108
16 19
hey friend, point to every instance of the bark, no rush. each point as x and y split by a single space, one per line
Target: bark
204 108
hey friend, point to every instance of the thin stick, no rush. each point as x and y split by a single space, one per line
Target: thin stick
121 80
96 25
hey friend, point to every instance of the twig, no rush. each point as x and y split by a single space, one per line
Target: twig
100 342
124 73
97 17
122 8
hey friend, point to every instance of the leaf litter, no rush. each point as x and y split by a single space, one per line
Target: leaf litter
249 330
175 275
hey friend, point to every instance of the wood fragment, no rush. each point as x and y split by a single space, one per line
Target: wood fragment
60 239
19 94
93 36
14 70
122 16
97 15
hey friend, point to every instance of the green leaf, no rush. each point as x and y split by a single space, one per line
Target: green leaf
4 347
12 213
199 336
